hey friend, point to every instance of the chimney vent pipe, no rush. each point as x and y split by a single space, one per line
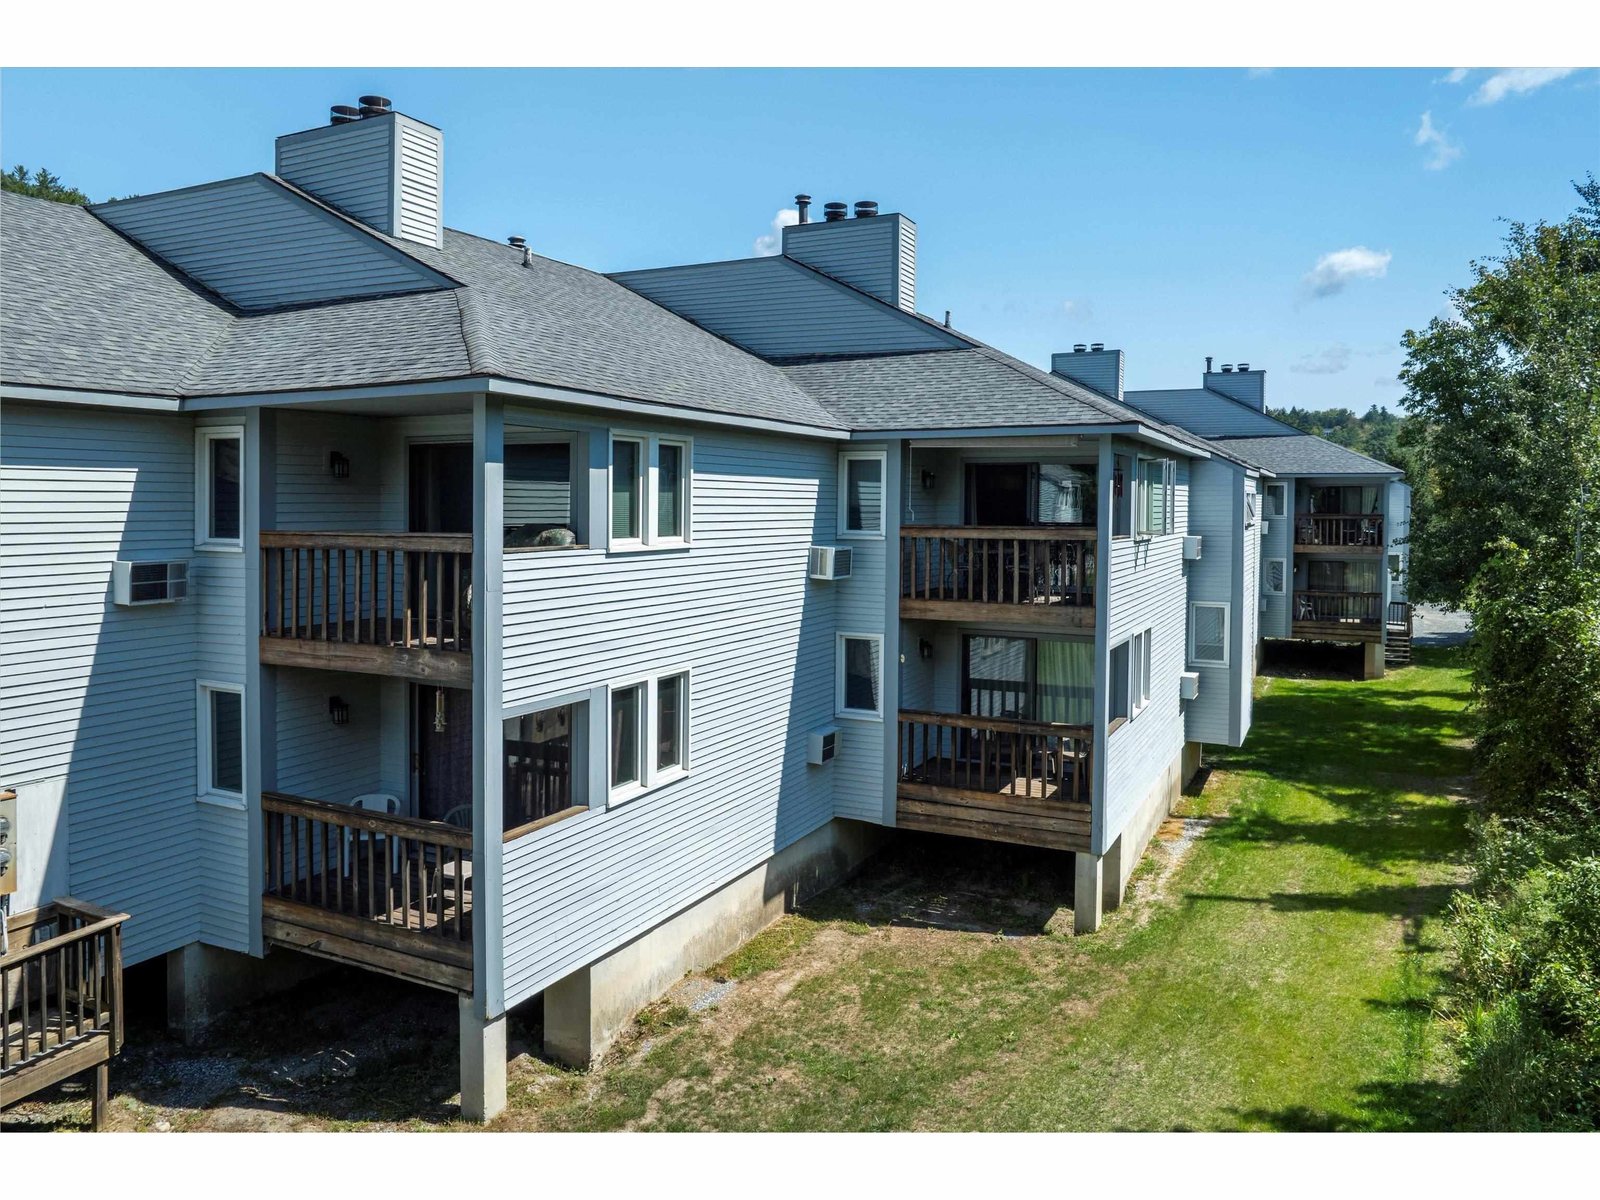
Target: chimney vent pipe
1227 368
518 242
343 114
374 106
1097 346
802 204
1208 364
1244 366
835 210
866 208
1080 347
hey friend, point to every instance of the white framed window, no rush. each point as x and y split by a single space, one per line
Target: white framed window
1157 486
1274 576
650 492
1277 500
1139 671
648 734
859 672
219 724
861 489
219 487
1208 633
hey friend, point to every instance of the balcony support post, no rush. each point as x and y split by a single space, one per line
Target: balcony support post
1372 660
1088 892
483 1064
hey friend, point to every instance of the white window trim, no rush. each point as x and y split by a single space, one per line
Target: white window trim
1139 673
1266 576
651 777
1169 487
845 458
839 709
649 492
1226 617
206 792
1282 510
204 435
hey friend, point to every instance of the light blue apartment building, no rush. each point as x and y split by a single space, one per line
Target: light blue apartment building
375 592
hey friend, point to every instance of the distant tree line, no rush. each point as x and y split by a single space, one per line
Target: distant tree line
1375 434
41 183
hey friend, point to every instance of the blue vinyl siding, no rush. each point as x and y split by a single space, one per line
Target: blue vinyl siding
1208 413
876 254
738 611
1214 577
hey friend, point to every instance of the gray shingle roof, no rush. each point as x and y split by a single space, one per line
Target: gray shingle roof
1303 454
82 307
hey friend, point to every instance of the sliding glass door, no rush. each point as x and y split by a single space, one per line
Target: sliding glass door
1028 679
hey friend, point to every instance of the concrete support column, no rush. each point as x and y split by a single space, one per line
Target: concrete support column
1372 662
204 982
572 1035
1087 893
483 1065
1112 876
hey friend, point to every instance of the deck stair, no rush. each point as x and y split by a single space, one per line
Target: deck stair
1397 635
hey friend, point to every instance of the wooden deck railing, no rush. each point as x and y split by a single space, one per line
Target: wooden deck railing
60 998
1341 529
1031 565
408 590
1341 607
989 756
399 872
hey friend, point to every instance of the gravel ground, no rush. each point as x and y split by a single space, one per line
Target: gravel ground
1433 626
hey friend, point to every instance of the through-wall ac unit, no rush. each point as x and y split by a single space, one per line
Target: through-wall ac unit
1191 546
1266 528
829 562
1189 685
136 583
824 745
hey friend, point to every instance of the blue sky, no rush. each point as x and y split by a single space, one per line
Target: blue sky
1297 219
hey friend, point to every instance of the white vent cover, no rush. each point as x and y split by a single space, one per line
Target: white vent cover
829 562
1189 685
1191 545
137 583
824 745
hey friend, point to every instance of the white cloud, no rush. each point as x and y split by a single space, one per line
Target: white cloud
1516 81
1335 271
769 244
1441 150
1328 361
1456 75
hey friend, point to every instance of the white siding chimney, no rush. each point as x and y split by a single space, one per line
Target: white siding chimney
877 254
386 171
1096 368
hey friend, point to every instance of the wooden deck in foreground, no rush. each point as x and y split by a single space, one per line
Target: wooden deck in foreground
1022 782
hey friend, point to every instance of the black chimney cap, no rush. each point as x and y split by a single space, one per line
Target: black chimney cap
835 210
1244 366
1079 347
866 208
802 198
518 242
1097 346
342 114
375 102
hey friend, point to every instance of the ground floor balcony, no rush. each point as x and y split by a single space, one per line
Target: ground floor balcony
1338 616
61 1011
396 604
1024 782
389 893
1027 574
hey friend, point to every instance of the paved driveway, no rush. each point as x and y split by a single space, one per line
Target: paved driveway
1436 626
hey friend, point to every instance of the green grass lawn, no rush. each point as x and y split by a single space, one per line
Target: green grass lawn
1272 968
1279 974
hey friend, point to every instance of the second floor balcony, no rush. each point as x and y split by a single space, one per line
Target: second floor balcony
397 604
1031 574
1338 533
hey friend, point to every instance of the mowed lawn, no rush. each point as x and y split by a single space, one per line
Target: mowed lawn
1274 967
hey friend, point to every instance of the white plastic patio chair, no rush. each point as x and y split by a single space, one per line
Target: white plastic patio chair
380 802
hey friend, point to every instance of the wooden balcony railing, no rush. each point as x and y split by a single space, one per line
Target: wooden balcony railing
338 596
1356 608
1400 614
1026 782
60 998
393 893
1031 566
1315 530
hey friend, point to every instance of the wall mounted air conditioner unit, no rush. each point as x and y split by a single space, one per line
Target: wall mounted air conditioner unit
829 562
1189 685
1191 546
136 583
824 745
1266 528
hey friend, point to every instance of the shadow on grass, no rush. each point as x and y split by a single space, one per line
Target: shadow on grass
1413 1107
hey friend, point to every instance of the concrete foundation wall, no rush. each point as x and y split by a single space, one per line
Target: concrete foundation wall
205 982
584 1012
1157 805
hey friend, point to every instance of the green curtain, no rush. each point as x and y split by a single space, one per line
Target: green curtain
1065 681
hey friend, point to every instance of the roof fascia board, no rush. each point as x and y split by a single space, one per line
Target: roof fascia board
510 389
49 395
1138 432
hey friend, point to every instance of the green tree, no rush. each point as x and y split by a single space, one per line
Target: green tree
42 184
1504 429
